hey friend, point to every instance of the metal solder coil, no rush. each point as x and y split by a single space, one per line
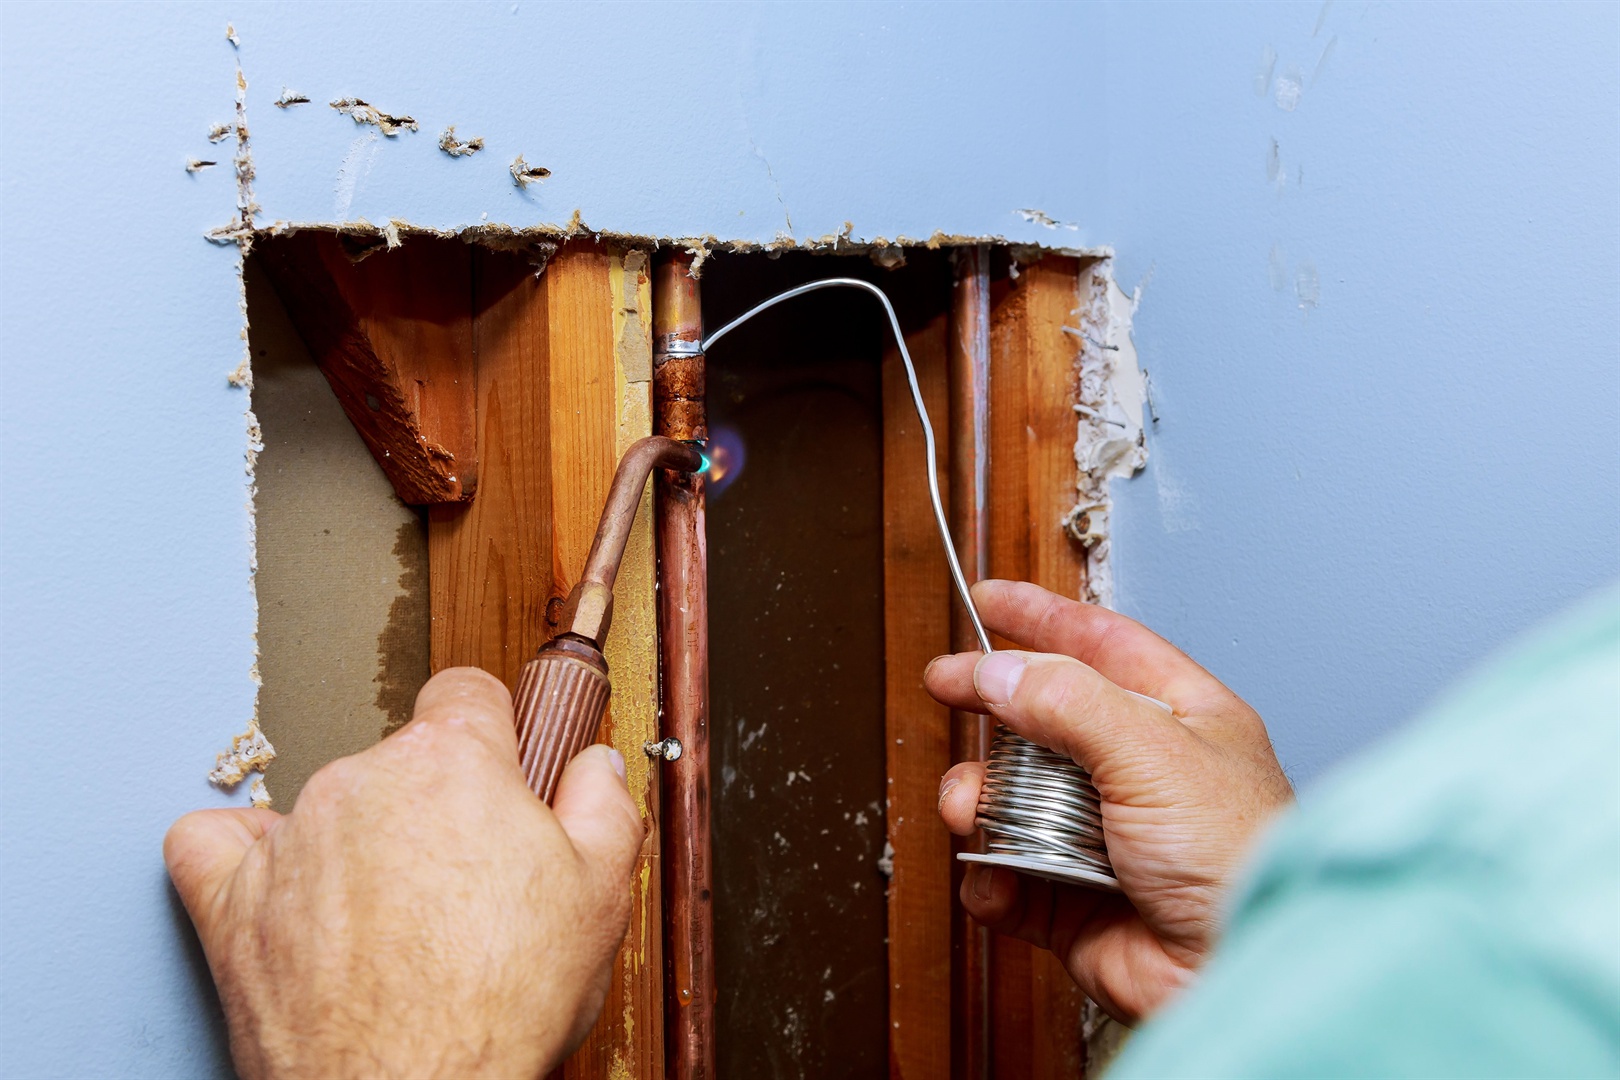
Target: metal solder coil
1040 813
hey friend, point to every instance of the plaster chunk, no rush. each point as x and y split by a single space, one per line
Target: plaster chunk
363 112
250 752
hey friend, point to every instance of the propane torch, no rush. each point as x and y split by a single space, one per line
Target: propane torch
562 694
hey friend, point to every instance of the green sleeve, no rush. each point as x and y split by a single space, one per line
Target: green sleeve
1449 905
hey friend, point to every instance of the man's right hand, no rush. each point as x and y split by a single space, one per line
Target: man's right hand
420 912
1183 793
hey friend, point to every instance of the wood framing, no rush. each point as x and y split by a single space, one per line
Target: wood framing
466 371
917 620
1034 383
564 387
970 526
392 332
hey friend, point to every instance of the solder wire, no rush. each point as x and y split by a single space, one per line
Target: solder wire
922 415
1035 804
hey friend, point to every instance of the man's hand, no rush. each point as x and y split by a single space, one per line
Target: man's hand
1182 795
419 912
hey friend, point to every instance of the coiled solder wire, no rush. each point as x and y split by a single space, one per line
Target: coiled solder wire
1038 809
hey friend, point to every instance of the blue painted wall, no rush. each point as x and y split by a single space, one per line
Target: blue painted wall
1358 486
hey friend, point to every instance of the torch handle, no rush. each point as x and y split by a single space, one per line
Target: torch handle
562 695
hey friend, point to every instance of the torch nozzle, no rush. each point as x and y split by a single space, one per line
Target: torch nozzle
589 609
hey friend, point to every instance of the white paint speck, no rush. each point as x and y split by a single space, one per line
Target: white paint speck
1290 88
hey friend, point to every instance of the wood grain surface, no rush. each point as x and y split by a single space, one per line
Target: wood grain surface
917 616
1035 1007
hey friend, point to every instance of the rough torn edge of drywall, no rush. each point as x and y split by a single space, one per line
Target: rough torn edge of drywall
249 753
882 250
538 243
1111 442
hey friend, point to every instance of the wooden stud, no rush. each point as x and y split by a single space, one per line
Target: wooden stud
608 409
917 614
1034 384
970 732
393 335
563 389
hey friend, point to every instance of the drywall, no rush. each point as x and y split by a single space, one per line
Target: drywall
1376 247
343 573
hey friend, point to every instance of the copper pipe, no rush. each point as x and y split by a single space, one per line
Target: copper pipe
679 412
969 438
562 694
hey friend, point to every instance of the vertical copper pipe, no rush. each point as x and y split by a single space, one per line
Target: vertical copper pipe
683 647
970 522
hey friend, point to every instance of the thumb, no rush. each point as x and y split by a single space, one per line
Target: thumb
595 809
203 849
1059 702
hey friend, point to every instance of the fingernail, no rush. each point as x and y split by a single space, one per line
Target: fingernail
618 761
997 677
983 878
948 786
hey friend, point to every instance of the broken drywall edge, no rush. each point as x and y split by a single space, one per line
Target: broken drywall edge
250 752
240 231
459 147
1111 441
363 112
510 237
524 174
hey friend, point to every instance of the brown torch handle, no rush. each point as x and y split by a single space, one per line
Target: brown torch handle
562 695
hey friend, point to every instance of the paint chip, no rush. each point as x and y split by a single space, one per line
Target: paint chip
219 132
196 165
289 98
363 112
250 752
459 147
230 36
524 174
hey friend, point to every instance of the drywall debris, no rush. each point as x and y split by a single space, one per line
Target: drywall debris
363 112
239 230
885 863
460 147
1045 220
700 250
1110 440
523 174
230 36
390 233
220 132
250 752
196 165
259 794
242 376
289 98
888 256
